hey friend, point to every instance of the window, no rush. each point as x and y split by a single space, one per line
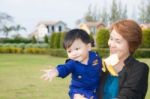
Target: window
47 28
60 29
53 29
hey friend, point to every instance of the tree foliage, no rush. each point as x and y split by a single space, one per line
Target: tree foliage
144 12
117 12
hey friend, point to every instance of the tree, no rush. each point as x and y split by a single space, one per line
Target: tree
34 39
114 14
4 19
7 29
148 12
122 11
46 39
18 28
104 16
118 12
90 16
142 12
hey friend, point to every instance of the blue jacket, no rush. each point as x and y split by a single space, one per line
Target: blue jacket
84 77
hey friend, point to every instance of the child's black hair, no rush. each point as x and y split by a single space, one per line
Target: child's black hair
74 34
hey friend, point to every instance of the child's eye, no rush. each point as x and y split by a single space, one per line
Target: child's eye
69 51
77 48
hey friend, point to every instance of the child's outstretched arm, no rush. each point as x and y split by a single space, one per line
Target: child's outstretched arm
49 74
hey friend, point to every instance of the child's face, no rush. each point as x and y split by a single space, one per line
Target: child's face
79 51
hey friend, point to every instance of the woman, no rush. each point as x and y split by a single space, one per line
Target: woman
132 82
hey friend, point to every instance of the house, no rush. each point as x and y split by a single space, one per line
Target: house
92 27
47 28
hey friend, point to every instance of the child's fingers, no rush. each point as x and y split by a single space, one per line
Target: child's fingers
46 70
50 66
44 77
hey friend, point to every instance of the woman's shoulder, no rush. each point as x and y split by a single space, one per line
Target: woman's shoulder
139 63
132 62
140 67
135 66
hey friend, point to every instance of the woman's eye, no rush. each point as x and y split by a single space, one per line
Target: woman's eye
110 38
118 42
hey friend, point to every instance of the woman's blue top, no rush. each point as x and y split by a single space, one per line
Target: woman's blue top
111 87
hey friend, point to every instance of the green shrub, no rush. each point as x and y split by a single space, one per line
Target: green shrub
102 37
21 45
46 39
19 50
51 41
34 39
57 40
30 45
62 39
4 49
44 45
58 52
146 39
142 53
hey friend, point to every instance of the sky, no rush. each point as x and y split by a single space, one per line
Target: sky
28 13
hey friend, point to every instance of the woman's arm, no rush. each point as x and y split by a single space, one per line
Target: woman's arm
136 82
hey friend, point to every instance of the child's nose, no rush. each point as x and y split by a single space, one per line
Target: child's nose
74 53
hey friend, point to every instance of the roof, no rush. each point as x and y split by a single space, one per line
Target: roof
50 22
93 24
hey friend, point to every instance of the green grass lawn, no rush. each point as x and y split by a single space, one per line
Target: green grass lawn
20 77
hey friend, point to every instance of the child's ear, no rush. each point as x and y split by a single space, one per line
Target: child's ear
89 47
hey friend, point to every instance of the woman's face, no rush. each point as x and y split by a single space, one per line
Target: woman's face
118 45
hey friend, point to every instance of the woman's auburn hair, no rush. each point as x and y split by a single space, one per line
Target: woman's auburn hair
130 31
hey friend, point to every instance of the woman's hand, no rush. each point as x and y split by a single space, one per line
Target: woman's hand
110 62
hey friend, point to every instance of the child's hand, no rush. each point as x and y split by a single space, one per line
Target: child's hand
78 96
49 74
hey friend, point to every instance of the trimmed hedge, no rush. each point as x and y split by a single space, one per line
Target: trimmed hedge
39 48
142 53
146 38
103 52
43 49
15 40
